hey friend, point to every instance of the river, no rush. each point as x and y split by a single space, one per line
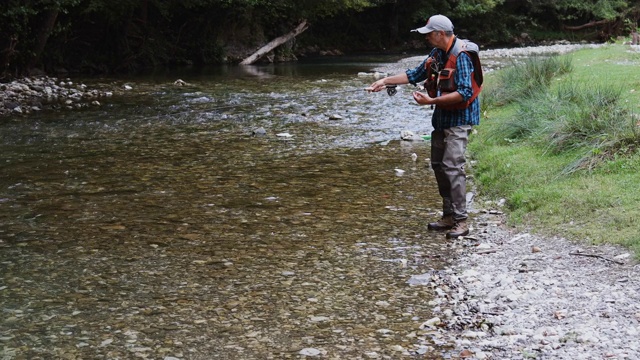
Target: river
164 225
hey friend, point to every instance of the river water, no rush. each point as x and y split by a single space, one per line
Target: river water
161 226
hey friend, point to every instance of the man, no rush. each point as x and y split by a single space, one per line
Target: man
453 85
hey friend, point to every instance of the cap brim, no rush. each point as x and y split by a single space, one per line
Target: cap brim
423 30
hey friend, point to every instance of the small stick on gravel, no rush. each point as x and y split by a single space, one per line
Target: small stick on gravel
598 256
489 251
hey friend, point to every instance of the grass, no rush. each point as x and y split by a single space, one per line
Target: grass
511 84
559 140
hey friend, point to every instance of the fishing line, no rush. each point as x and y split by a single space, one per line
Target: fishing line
261 102
391 90
283 100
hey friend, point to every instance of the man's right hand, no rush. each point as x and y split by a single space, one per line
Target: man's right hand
376 86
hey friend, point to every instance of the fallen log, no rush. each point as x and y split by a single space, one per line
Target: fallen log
587 25
275 43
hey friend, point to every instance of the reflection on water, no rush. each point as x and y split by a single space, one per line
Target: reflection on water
158 227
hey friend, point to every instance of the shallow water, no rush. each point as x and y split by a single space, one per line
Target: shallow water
159 226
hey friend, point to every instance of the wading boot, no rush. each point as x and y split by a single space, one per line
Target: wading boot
460 229
445 223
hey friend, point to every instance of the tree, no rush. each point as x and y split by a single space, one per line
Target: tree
28 25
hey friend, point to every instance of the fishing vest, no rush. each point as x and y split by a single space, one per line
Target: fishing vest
441 81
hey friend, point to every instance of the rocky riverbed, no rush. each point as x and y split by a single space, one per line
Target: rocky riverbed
506 294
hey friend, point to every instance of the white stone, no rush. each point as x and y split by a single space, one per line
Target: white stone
310 352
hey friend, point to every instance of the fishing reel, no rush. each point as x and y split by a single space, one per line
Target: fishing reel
391 90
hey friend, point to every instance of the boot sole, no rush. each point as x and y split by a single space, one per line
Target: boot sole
439 228
456 235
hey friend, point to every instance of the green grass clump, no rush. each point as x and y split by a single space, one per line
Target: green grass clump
522 80
560 141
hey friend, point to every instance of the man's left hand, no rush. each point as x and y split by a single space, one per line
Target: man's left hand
422 98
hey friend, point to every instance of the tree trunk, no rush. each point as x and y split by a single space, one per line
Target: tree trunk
275 43
7 54
42 36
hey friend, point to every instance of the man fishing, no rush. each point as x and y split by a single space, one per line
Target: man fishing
453 79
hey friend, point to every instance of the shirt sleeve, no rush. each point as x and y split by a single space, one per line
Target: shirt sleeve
417 74
464 68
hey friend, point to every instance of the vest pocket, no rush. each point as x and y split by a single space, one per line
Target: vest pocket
446 82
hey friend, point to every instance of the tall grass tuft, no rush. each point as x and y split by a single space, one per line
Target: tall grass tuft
593 117
531 117
525 79
585 120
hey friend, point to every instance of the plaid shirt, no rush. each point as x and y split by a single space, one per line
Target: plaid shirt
444 119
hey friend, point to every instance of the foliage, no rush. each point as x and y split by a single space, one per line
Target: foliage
588 116
475 7
123 35
598 9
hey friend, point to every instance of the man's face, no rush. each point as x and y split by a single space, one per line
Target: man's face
433 37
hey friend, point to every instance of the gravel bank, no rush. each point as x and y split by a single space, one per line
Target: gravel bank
521 296
28 95
490 57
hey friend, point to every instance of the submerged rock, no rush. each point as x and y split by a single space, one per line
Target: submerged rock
259 132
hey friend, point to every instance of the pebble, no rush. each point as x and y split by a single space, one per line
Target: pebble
310 352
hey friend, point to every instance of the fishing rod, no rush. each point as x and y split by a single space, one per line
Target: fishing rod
391 91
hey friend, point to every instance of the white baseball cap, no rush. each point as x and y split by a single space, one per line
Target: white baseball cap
436 23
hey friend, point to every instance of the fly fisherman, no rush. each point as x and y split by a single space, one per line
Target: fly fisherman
453 79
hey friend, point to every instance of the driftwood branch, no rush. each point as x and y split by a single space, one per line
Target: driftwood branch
587 25
275 43
598 256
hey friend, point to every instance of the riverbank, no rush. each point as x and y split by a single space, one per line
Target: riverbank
514 294
34 94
